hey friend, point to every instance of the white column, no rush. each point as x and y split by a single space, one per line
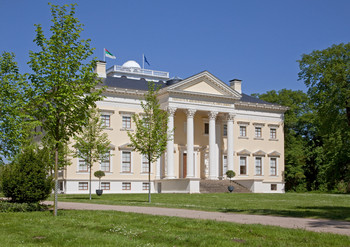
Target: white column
190 143
170 143
213 166
230 117
158 168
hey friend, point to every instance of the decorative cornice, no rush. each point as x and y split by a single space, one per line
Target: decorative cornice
274 154
244 152
261 106
259 153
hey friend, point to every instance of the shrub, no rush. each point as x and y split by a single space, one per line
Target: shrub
7 207
26 178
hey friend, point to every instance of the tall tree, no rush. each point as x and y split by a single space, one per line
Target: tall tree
326 73
92 144
63 81
15 123
150 137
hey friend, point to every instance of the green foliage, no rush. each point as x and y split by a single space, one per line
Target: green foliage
92 144
230 174
99 174
7 207
150 137
326 73
63 80
26 179
15 122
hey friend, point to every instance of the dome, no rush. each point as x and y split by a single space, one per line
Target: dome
131 64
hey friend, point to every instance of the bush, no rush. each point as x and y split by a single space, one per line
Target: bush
26 178
7 207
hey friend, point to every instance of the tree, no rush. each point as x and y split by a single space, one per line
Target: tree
15 123
99 175
326 73
92 145
63 83
26 179
150 137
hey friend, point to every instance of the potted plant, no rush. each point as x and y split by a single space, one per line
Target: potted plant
99 175
230 174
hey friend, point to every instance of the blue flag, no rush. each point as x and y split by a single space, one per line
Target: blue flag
146 61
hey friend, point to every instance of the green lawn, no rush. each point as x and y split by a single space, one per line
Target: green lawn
309 205
107 228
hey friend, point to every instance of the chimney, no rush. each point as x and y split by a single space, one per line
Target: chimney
100 69
236 84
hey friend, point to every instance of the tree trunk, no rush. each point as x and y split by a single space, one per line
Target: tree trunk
90 165
149 179
56 180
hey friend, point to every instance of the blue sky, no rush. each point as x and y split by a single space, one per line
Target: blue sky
258 42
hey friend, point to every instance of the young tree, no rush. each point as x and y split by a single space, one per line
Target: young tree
15 123
150 137
92 145
326 73
62 80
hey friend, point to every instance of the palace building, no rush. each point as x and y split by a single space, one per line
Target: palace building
216 128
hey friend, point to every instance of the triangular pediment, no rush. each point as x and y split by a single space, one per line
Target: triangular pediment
204 83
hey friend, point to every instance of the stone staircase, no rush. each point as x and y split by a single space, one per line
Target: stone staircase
220 186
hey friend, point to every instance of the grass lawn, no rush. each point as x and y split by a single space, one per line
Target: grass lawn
107 228
309 205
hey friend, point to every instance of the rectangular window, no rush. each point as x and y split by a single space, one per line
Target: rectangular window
106 120
206 128
224 165
83 185
145 186
273 134
273 166
105 186
126 186
258 132
144 164
258 166
106 162
225 130
273 186
126 122
243 165
242 131
83 166
126 161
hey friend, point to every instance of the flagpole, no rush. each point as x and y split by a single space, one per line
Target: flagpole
104 55
143 61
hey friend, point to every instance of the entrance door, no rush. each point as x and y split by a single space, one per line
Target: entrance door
184 165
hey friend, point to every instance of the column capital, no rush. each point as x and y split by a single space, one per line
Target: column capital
190 112
212 115
230 116
171 110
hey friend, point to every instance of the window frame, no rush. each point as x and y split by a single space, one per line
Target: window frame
126 185
243 131
104 187
83 186
144 160
124 162
275 168
145 186
240 166
258 132
104 161
104 118
273 133
260 159
126 123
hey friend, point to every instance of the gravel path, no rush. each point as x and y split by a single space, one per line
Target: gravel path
316 225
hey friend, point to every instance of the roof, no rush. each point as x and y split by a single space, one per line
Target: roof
142 84
251 99
122 82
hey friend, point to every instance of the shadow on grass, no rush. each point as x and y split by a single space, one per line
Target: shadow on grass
322 212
